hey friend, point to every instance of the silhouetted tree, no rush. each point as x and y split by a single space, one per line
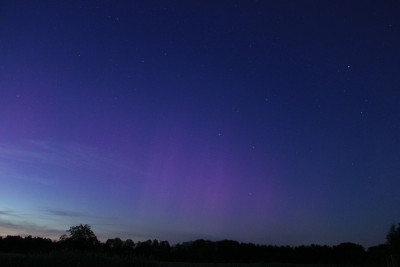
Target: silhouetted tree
227 250
378 255
128 247
393 240
349 253
13 244
144 249
164 251
117 246
312 254
80 237
129 244
115 243
29 244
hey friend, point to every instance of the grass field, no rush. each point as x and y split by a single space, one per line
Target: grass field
81 259
70 259
184 264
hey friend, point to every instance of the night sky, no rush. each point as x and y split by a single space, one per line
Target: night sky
272 122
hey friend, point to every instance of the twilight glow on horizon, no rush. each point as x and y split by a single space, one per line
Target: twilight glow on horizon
271 122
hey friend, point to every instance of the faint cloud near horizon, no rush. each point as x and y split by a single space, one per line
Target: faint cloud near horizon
45 222
61 154
65 213
36 160
24 228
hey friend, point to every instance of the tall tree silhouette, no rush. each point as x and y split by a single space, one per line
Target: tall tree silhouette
393 240
80 237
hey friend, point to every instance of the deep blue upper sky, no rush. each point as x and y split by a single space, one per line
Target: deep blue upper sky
272 122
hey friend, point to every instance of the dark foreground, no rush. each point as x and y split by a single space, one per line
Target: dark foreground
70 259
82 259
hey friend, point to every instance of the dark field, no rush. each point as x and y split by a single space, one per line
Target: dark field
81 259
69 259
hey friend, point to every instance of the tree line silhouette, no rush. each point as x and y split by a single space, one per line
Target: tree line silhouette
82 238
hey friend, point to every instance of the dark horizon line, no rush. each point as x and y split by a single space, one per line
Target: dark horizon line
208 240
